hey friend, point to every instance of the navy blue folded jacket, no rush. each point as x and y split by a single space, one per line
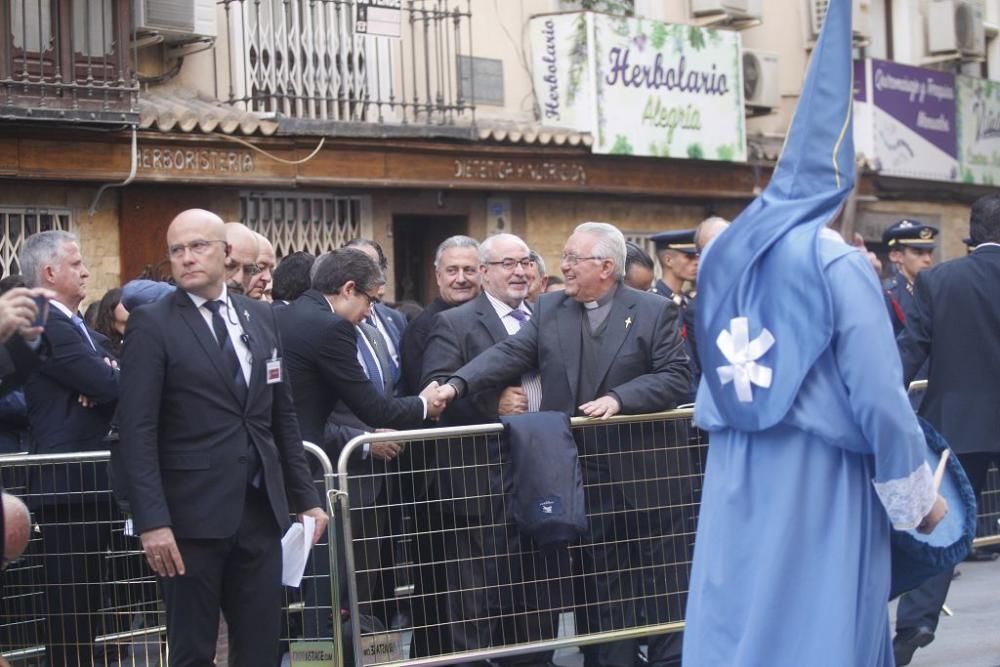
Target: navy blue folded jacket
547 493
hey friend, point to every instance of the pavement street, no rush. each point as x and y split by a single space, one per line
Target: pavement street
970 638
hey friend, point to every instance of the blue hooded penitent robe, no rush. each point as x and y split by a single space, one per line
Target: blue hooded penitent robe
814 448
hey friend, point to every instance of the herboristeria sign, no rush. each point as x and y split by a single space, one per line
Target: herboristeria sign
641 87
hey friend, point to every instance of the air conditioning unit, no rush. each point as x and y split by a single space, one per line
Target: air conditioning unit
956 26
177 20
736 9
761 84
860 18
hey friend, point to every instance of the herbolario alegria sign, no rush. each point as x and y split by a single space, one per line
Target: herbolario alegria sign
641 87
978 104
905 121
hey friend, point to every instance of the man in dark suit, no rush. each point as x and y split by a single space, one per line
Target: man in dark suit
390 322
71 399
456 270
212 452
603 348
484 553
952 322
332 361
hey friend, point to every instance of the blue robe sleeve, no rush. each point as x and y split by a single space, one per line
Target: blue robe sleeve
869 365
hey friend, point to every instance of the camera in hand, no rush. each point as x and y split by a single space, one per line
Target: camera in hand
43 311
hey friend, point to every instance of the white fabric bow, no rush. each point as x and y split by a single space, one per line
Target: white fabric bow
743 353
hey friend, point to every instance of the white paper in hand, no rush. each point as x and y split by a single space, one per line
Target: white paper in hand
295 546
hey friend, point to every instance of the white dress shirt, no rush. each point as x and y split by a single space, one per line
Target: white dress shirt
531 383
232 320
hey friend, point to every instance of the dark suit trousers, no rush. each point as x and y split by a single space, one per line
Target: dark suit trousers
242 576
370 556
921 607
501 591
631 567
75 537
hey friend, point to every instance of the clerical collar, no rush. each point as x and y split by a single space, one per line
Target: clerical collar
603 300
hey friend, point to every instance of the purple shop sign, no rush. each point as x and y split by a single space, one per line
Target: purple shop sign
921 99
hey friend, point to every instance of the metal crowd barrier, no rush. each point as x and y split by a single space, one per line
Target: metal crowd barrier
82 593
434 562
439 573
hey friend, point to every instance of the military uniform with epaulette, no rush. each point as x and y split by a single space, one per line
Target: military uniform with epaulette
898 288
681 241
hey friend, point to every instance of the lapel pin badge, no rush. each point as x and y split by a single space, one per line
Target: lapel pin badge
246 315
628 322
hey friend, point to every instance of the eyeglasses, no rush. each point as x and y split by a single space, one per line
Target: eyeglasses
372 300
249 270
197 247
509 263
573 260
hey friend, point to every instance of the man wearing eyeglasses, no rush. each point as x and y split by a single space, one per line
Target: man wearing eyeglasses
333 359
490 555
603 348
243 249
212 454
260 281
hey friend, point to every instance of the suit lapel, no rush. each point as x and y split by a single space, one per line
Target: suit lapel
569 322
260 353
390 324
620 321
198 326
489 318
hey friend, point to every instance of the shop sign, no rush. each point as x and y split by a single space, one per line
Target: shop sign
641 87
520 171
905 122
978 103
195 161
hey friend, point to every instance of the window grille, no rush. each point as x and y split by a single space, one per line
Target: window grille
68 60
17 224
315 223
306 60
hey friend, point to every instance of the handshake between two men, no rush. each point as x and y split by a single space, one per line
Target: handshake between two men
513 400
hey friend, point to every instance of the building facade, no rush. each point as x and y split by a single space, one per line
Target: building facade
315 121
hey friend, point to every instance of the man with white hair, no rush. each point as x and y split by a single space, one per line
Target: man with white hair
71 401
602 348
266 261
470 477
538 278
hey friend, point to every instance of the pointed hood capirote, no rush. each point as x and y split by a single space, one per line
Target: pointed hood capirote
762 279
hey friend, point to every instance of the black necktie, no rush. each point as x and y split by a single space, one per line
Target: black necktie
230 361
232 364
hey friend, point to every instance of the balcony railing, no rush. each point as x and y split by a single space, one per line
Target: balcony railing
310 63
67 60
